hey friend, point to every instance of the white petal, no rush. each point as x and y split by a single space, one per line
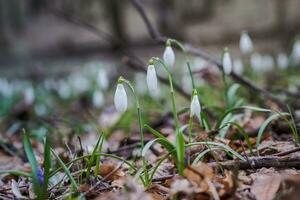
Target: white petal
227 64
169 56
120 98
296 53
195 106
282 61
98 99
152 80
102 79
246 45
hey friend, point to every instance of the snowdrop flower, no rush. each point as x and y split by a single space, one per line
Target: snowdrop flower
102 79
256 62
120 98
227 64
64 90
268 62
98 99
238 66
295 55
246 45
152 79
282 61
169 56
195 105
29 95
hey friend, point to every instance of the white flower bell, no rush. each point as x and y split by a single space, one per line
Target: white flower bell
195 105
282 61
295 56
169 55
102 79
227 64
98 99
152 79
246 45
120 98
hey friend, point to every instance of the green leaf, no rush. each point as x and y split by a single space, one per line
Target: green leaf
47 166
93 157
225 147
265 124
159 135
16 173
231 94
33 164
180 150
66 170
205 121
202 154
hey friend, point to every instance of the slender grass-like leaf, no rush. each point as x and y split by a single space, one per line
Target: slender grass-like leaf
159 135
218 124
33 163
231 94
15 173
98 157
245 135
225 147
47 166
66 170
92 158
265 124
202 154
180 150
97 154
205 121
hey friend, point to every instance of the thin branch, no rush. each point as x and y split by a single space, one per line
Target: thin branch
260 162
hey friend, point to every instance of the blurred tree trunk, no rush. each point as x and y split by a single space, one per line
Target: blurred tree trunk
115 11
168 20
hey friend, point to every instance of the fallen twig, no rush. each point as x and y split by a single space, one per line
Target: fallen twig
259 162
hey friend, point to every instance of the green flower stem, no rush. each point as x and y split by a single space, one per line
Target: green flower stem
225 88
180 149
121 79
190 137
180 46
171 90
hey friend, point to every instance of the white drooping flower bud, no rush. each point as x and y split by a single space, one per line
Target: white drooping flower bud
169 55
98 99
268 63
29 95
238 66
102 79
195 105
152 79
246 45
295 55
120 98
227 64
256 62
282 61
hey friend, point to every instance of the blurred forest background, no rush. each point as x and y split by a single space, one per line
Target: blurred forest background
37 32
